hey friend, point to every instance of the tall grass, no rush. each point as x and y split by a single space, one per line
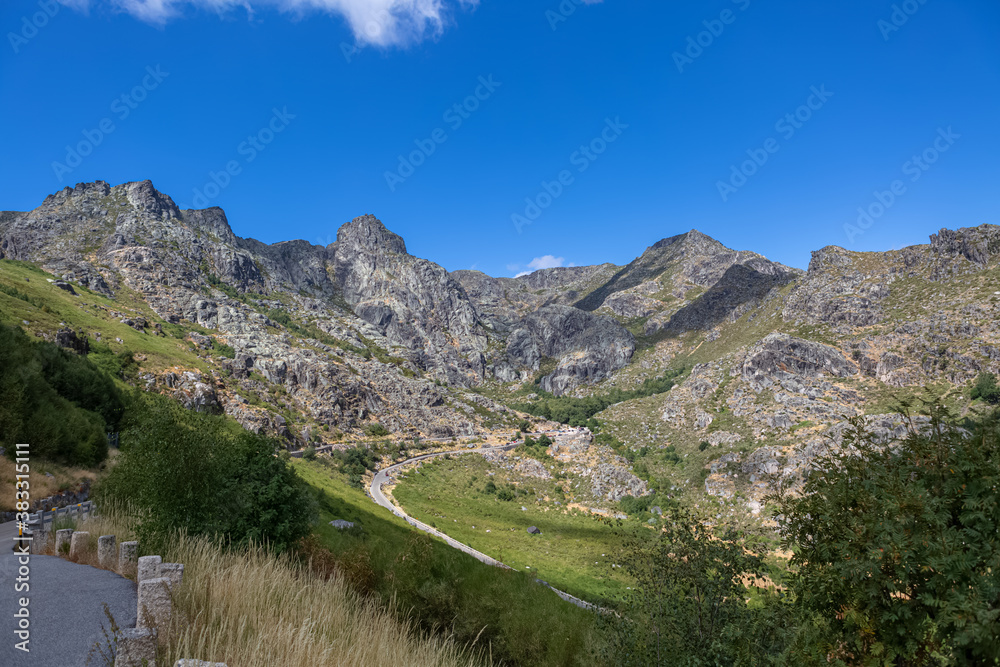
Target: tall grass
249 608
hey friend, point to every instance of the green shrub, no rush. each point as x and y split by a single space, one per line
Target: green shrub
687 603
376 430
986 388
354 462
223 349
896 547
203 474
58 402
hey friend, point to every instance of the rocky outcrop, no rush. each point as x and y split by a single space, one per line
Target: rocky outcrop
780 356
415 304
589 346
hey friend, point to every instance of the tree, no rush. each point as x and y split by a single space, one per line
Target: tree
688 604
376 430
896 546
58 402
986 388
199 473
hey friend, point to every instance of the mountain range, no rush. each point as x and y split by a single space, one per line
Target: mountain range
316 340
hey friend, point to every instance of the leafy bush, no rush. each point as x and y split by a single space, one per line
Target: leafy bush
688 600
121 365
535 448
896 547
634 505
986 388
206 475
354 462
223 349
376 430
58 402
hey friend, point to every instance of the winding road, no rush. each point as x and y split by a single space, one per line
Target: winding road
385 476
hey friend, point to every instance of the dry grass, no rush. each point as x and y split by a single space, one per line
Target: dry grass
250 609
42 486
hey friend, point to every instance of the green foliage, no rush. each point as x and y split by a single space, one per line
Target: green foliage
354 462
896 547
376 430
121 365
633 505
205 475
986 388
703 445
57 401
670 454
688 604
223 349
535 448
524 426
309 454
579 411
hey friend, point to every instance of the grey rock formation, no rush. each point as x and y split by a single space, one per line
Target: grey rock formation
780 356
589 346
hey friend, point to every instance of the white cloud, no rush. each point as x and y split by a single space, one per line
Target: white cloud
375 22
543 262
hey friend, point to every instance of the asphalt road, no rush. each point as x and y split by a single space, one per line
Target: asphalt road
385 476
66 611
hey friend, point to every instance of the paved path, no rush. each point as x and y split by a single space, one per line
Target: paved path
65 607
385 476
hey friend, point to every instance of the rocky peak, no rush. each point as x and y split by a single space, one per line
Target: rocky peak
144 197
829 257
679 263
366 233
980 245
98 188
692 241
212 220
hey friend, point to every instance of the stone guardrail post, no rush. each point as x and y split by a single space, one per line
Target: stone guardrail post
149 568
174 572
106 551
154 606
63 539
78 543
136 648
128 555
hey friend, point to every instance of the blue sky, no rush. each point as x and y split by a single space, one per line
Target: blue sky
584 131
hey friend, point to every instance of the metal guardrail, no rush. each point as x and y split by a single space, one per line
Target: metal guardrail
42 518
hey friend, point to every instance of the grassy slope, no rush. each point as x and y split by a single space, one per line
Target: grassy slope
56 306
519 621
572 553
